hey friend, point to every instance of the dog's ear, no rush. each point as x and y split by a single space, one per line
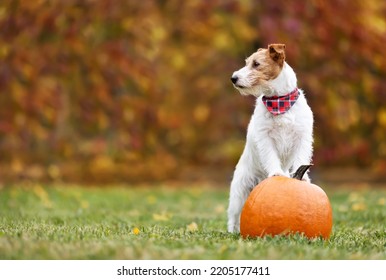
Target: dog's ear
276 52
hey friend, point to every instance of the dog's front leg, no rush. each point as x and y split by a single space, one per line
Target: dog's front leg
270 158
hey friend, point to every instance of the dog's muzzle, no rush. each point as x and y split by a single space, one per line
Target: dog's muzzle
234 80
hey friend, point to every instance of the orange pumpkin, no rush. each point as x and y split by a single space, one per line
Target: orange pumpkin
282 205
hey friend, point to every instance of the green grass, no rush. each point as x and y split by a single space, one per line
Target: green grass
71 222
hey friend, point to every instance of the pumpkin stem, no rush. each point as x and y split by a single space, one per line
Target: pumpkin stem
301 171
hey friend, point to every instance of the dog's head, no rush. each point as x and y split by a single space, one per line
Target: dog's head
261 67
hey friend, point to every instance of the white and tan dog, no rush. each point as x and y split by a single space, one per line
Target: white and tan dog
279 137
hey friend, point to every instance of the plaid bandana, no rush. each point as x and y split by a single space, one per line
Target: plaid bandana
278 105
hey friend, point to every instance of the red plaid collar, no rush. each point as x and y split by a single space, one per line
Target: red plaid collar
278 105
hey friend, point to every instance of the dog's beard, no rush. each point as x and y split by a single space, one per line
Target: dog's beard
256 90
248 91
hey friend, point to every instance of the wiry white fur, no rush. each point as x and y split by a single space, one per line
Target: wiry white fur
276 145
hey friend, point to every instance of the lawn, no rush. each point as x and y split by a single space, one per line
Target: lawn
71 222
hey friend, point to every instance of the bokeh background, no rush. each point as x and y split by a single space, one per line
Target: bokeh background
138 91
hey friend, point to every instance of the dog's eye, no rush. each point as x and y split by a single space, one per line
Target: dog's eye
255 64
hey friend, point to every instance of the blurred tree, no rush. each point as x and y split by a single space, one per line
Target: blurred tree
133 90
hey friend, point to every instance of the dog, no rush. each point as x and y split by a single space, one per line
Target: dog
280 132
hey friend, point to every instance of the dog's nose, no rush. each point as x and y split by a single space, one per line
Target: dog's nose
234 79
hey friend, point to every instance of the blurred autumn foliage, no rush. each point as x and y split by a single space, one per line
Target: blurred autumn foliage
138 90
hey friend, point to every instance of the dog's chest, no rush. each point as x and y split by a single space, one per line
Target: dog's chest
282 129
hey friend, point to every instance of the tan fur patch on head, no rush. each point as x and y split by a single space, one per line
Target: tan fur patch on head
266 64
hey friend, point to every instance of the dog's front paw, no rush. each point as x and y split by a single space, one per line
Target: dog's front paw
279 173
233 227
306 178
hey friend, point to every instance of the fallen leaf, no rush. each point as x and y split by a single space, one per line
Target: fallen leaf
192 227
359 206
162 217
136 231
